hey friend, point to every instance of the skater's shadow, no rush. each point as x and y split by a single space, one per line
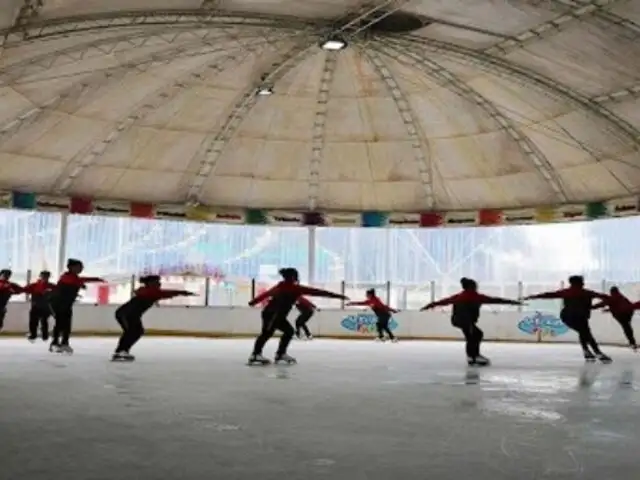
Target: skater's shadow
472 376
281 373
588 376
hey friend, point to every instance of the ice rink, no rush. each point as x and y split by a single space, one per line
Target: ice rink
191 409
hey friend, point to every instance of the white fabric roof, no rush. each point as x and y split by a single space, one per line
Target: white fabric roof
490 105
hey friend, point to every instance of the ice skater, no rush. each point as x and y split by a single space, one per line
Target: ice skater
40 311
129 315
7 290
622 310
382 312
576 312
62 298
282 298
306 309
465 316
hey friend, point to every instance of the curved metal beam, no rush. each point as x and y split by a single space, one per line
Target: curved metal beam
91 154
249 98
618 95
551 27
450 81
100 78
422 155
532 78
137 18
319 127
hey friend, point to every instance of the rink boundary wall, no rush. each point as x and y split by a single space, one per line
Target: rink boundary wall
224 322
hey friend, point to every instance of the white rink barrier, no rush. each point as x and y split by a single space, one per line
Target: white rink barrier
242 322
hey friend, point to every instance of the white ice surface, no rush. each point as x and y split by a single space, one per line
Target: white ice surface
191 409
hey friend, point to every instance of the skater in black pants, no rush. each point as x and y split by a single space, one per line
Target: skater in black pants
62 298
306 309
7 290
622 311
465 316
576 312
129 315
40 310
282 298
381 311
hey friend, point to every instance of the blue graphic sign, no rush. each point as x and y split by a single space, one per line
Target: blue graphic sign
548 325
364 323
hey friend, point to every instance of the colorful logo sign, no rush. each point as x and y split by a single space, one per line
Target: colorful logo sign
548 325
364 323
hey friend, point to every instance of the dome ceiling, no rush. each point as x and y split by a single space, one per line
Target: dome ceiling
440 105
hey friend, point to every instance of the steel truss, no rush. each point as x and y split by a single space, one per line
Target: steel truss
504 67
151 103
319 127
188 17
89 86
421 152
353 23
579 10
618 95
450 81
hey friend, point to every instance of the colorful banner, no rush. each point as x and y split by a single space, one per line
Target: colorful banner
23 201
622 207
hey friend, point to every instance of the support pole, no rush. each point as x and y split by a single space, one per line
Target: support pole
62 242
311 259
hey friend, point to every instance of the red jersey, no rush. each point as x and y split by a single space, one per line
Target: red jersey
146 297
66 290
467 303
305 304
375 304
618 304
7 290
39 292
285 295
575 300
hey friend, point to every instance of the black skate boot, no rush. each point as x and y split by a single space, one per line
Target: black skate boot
122 357
604 358
258 359
589 357
481 361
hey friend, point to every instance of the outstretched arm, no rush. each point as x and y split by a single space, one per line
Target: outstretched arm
598 305
264 295
92 280
317 292
363 303
487 300
441 303
547 295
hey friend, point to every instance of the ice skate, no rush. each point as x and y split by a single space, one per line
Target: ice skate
31 338
380 340
309 338
66 349
286 358
122 357
589 357
604 358
54 348
634 348
481 361
258 359
471 361
394 340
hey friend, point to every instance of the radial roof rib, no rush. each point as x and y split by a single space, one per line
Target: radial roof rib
420 147
89 155
577 11
505 67
353 23
319 127
619 95
157 17
452 82
87 85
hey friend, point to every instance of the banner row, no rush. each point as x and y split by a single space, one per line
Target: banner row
200 213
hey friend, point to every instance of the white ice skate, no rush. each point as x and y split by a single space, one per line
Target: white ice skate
286 358
53 348
258 360
309 338
394 340
65 349
604 358
122 357
380 340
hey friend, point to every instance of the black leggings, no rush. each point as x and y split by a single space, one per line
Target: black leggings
473 338
383 326
625 322
3 313
271 323
132 330
301 322
62 328
39 317
580 325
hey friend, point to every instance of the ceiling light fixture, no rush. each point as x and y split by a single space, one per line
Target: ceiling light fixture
334 45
